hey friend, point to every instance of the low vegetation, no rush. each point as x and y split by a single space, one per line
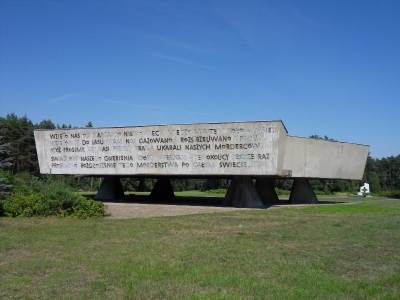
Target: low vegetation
391 194
32 196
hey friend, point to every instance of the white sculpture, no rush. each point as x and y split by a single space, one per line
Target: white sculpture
364 190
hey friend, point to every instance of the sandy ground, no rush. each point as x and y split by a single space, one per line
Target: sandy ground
144 210
140 210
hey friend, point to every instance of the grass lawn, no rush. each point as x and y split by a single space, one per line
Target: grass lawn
349 251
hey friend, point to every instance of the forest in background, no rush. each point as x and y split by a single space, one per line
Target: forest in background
18 154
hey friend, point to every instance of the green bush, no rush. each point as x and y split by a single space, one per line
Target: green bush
5 184
391 194
6 181
1 207
46 197
88 208
27 205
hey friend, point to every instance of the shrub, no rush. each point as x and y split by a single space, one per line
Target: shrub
5 184
50 196
26 205
5 188
391 194
86 208
1 207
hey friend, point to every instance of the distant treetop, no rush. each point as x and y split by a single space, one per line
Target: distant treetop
325 138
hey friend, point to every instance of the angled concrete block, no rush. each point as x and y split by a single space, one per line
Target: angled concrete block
302 192
163 191
242 193
265 188
110 189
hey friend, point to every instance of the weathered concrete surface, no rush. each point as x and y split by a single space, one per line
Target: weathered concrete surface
110 189
242 193
312 158
245 148
302 192
265 188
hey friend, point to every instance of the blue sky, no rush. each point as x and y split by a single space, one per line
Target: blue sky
323 67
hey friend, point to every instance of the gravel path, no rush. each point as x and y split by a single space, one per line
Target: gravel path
139 210
149 210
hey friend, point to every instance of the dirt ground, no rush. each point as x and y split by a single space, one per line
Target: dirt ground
145 210
142 210
141 206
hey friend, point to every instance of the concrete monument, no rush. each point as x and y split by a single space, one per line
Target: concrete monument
242 151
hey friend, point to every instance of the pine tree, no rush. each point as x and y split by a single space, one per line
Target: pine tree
5 186
18 134
45 124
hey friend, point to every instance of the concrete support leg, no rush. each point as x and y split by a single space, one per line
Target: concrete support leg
242 193
110 189
265 188
163 191
302 192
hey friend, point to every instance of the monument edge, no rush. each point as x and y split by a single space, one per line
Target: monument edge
181 124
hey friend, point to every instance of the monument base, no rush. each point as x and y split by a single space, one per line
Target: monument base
242 193
110 189
163 191
266 190
302 192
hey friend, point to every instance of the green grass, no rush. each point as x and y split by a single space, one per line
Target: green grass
340 251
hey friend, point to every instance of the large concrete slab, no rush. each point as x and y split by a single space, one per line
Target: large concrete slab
246 148
260 148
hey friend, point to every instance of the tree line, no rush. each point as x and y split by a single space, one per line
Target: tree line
18 154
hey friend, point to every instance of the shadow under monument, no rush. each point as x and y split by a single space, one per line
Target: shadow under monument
196 201
243 192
